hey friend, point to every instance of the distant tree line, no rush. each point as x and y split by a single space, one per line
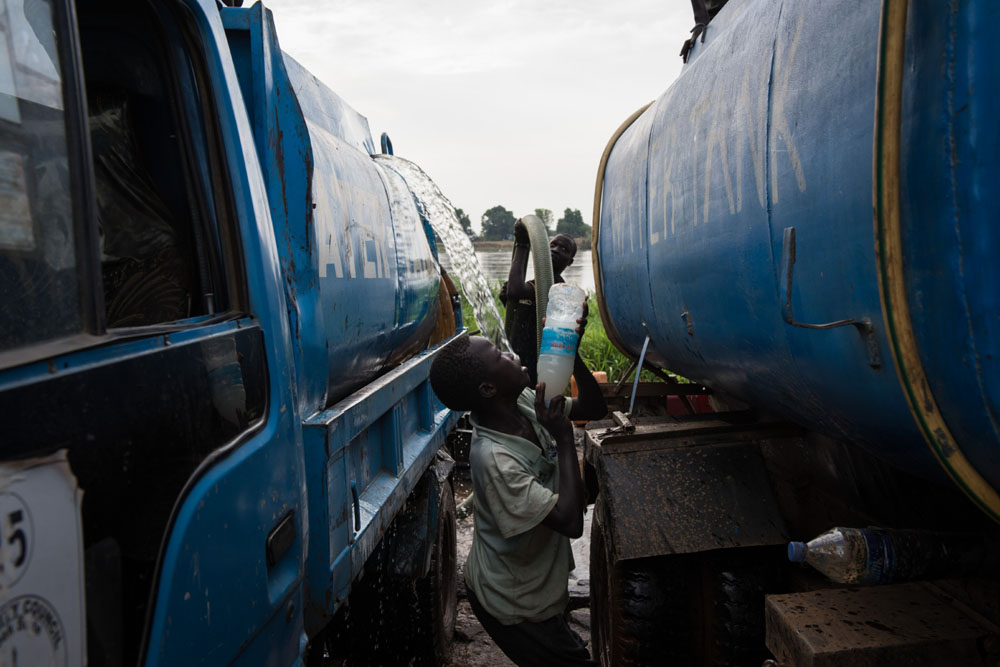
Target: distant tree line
498 223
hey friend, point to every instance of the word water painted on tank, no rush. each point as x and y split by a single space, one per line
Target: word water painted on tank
721 139
371 261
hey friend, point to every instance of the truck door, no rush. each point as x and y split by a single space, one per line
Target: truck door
128 345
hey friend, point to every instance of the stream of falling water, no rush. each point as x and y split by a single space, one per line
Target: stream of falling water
436 208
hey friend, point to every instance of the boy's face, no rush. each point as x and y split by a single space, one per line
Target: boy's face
503 371
563 250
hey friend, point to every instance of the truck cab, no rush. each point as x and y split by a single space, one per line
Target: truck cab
189 473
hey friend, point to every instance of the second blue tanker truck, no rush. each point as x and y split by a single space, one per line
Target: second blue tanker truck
806 223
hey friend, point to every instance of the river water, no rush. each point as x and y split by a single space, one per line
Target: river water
496 265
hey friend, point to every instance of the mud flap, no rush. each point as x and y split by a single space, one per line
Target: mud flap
675 497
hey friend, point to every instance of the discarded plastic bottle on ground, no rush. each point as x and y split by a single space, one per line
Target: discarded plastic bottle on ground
882 556
559 338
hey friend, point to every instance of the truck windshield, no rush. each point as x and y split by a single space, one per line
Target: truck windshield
38 283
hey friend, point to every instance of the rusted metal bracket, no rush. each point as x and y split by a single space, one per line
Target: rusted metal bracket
625 377
863 325
623 422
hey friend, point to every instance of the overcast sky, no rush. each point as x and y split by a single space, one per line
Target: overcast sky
508 102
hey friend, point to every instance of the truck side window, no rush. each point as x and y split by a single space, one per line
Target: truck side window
159 249
38 254
147 263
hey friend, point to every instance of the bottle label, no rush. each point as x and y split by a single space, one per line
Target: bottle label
558 341
880 560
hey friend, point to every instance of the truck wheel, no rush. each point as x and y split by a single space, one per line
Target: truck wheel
437 593
733 618
693 609
639 611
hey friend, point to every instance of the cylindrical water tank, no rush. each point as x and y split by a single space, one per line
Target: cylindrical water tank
824 162
361 282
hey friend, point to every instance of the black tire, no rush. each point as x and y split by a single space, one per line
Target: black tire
639 613
600 594
733 628
437 593
697 609
395 621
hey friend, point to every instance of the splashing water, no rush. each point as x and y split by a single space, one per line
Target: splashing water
436 208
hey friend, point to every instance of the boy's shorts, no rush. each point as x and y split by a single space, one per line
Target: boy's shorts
549 643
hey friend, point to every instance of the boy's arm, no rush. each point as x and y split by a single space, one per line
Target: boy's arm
567 515
517 288
590 403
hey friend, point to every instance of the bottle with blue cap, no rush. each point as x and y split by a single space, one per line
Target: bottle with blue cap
882 556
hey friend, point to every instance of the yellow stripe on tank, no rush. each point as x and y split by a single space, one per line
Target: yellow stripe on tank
595 255
892 282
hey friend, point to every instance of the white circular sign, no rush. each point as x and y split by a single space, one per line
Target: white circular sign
31 634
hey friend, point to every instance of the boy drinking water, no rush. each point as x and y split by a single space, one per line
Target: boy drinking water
528 497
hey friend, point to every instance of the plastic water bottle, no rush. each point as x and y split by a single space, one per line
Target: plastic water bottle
882 556
559 338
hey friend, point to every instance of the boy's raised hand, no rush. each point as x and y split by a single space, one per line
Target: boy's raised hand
552 416
521 233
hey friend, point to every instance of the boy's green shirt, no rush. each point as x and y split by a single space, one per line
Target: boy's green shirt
518 569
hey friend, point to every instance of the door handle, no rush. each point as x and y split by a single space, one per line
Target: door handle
280 539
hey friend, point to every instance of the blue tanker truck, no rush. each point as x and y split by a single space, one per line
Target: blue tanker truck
806 224
218 441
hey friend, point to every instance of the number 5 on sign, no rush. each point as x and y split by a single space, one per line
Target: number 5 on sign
15 532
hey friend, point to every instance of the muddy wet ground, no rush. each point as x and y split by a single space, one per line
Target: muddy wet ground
472 647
